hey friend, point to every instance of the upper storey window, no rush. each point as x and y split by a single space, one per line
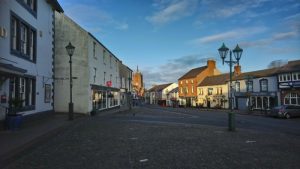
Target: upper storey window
30 5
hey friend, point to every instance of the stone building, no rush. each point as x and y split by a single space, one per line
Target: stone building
96 70
138 83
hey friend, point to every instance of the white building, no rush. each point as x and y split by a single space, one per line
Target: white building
257 90
26 55
96 70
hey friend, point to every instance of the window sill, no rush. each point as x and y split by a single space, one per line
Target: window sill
20 55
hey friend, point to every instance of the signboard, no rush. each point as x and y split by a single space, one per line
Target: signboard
108 83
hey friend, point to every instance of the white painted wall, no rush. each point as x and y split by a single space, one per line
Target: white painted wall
166 90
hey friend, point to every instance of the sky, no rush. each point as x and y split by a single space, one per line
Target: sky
167 38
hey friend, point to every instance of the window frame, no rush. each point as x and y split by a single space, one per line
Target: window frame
15 40
29 8
261 83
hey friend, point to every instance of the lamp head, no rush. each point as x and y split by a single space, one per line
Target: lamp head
70 49
223 50
237 52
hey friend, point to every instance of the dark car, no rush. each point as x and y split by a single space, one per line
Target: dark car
286 111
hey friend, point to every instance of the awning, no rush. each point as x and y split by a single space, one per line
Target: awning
8 69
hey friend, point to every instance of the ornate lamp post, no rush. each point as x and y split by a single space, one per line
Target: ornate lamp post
70 49
223 50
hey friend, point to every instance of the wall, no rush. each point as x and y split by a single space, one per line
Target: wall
68 31
202 98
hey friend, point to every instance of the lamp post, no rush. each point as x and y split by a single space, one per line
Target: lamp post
223 50
70 49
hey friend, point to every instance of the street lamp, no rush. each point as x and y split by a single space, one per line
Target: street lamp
223 50
70 49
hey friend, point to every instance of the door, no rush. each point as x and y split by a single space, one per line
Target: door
242 103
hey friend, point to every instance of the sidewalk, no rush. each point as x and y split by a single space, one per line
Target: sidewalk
37 129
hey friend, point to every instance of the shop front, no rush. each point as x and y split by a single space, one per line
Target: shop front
105 97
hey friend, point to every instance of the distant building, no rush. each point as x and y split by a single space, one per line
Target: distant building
188 83
158 94
96 70
213 92
138 83
26 55
289 83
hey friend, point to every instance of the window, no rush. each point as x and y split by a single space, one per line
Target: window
284 77
23 39
263 85
192 81
181 82
280 78
186 81
249 86
296 76
292 99
288 77
201 91
219 90
181 91
237 86
104 53
192 89
30 5
210 91
104 80
23 88
94 49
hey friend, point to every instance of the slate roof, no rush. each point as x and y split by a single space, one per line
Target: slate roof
193 73
292 66
159 88
175 90
215 80
256 74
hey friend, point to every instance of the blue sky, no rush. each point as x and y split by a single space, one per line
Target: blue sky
166 38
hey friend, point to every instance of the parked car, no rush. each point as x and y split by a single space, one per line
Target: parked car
285 111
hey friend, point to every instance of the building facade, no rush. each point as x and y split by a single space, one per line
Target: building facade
188 83
213 92
125 84
256 90
158 93
27 52
96 70
138 84
289 83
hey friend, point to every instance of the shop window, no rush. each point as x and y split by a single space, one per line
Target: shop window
292 99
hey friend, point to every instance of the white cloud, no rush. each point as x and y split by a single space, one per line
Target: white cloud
237 34
171 11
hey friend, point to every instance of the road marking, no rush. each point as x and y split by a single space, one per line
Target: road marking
144 160
250 141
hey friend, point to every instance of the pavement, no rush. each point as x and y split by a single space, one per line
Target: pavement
112 142
37 128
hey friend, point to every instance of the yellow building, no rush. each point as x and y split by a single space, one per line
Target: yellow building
138 83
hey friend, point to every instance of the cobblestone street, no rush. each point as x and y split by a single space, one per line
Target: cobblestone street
113 142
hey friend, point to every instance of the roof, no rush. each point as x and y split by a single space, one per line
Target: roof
55 5
291 66
193 73
175 90
215 80
257 74
159 88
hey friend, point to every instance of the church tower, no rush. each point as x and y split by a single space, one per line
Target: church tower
138 83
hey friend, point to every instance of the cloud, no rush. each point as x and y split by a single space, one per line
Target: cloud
93 17
171 10
274 38
236 34
173 69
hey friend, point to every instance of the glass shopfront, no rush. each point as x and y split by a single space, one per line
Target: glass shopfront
104 98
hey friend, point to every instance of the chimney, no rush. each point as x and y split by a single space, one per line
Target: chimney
211 64
237 70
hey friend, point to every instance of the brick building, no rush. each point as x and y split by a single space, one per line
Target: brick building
188 83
